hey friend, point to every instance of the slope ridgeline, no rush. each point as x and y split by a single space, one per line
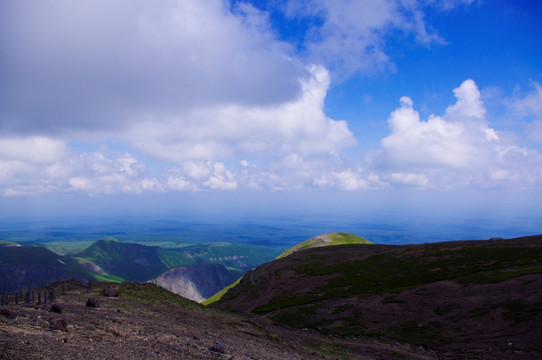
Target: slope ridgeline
331 239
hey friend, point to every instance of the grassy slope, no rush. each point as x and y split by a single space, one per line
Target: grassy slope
392 271
5 243
221 293
334 279
338 238
125 261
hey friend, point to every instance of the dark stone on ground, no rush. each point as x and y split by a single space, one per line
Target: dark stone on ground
8 313
91 302
56 308
59 324
218 348
110 292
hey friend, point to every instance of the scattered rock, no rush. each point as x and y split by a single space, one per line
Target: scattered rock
56 308
91 302
59 324
110 292
218 348
8 313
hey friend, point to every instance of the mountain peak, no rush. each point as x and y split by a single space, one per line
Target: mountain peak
331 239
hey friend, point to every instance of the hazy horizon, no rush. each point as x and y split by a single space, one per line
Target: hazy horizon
284 219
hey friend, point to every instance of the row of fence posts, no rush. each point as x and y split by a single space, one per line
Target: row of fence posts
48 295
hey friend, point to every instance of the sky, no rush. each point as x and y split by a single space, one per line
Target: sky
409 103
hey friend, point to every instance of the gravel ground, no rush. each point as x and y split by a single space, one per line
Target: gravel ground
147 322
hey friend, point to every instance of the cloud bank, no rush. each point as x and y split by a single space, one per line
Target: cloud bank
208 93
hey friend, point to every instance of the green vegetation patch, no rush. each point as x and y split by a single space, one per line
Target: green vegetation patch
221 293
351 272
388 273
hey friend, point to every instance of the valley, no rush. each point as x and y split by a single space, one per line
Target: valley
203 269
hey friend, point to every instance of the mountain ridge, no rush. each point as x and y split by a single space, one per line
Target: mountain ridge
329 239
206 268
431 295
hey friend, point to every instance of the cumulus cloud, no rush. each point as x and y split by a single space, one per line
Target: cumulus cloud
201 175
42 165
453 150
232 131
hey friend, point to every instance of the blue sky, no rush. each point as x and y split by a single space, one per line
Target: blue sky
135 99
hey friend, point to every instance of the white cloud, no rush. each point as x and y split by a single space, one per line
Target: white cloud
33 149
88 67
234 131
201 175
455 150
349 180
529 107
42 165
352 35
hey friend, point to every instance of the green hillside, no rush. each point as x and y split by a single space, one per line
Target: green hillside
338 238
127 261
221 293
31 266
5 243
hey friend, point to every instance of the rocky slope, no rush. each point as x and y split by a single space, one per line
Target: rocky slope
462 299
147 322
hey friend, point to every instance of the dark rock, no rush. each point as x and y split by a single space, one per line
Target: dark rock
218 348
56 308
110 293
59 324
91 302
8 313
